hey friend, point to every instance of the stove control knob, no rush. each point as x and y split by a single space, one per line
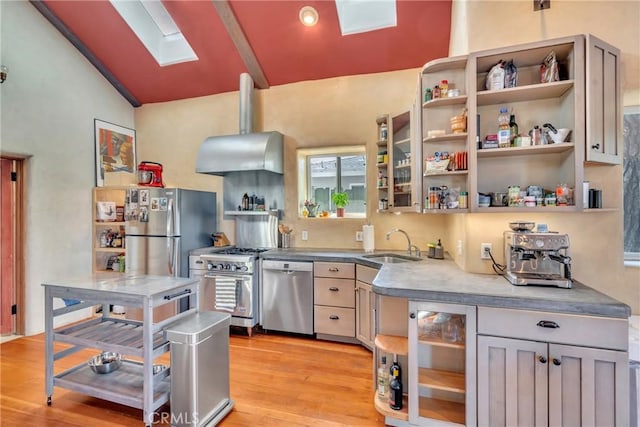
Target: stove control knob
209 266
233 267
227 267
540 243
244 268
220 267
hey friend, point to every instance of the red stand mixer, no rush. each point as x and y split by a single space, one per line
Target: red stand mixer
150 174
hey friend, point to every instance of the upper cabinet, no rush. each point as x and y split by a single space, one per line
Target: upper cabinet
604 103
396 181
526 164
449 155
444 137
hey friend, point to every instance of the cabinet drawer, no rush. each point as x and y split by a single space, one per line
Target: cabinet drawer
572 329
335 292
366 274
334 321
344 270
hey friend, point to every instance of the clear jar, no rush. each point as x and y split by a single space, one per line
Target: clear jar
383 132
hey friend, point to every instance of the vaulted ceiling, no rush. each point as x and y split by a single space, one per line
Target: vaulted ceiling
262 37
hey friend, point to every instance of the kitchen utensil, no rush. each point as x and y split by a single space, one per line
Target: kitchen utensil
150 174
522 225
560 136
105 362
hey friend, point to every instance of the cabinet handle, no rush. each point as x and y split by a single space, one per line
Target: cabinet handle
412 315
178 294
556 362
542 359
334 317
334 269
334 289
595 146
548 324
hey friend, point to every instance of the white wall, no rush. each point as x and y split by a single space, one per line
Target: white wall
47 106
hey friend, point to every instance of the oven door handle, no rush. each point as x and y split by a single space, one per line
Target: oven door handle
228 276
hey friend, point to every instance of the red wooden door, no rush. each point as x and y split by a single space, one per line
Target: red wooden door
7 233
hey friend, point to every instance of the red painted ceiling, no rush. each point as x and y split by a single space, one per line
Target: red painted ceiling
286 50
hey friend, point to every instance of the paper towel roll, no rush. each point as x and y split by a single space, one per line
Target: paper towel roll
367 238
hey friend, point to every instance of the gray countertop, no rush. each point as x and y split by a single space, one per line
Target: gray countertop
127 284
443 281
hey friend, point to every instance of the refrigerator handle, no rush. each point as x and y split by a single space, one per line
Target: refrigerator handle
171 218
172 254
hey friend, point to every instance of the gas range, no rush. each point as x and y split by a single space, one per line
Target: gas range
232 260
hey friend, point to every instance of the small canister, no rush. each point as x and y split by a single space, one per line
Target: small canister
427 94
431 253
514 195
463 200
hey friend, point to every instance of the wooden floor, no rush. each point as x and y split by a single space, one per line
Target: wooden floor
276 380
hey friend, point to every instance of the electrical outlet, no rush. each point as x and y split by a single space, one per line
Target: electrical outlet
358 236
485 248
305 236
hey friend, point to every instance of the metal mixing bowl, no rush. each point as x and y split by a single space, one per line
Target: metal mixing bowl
105 362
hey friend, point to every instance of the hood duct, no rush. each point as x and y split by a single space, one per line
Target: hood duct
246 151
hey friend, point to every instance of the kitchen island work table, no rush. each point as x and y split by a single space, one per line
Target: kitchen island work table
134 384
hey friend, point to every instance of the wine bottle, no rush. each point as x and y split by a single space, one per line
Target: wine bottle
395 393
395 385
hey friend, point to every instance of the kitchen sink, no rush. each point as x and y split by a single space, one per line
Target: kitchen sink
391 258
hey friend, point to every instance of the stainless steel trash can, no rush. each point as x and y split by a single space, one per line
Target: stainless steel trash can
199 369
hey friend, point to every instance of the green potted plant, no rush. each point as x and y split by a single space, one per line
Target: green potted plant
340 200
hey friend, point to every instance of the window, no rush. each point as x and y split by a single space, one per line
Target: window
325 171
631 183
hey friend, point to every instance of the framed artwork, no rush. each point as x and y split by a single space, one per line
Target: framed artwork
115 149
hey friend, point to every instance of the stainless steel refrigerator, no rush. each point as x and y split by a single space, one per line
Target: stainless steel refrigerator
162 225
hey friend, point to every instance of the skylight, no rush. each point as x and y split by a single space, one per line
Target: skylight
359 16
155 28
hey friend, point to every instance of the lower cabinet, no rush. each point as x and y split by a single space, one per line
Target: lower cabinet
334 310
442 361
542 383
365 306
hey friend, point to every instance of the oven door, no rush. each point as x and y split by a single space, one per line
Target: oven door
230 293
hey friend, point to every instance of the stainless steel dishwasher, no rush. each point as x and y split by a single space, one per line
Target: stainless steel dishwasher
287 296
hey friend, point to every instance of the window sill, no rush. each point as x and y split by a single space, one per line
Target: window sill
632 263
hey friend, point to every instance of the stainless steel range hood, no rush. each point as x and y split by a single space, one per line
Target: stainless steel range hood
246 151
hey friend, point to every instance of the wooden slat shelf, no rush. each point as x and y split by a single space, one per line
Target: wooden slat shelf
116 335
383 407
441 380
439 342
124 386
442 410
392 344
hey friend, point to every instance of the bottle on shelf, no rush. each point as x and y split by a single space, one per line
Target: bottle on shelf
513 128
395 385
383 131
504 133
383 379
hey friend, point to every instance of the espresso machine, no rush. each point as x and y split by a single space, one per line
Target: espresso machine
535 258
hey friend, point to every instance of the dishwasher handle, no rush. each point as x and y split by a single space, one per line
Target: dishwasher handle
287 266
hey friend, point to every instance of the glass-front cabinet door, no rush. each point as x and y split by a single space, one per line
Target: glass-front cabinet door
403 191
442 373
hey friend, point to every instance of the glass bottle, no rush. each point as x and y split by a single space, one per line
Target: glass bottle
395 385
513 128
383 379
504 134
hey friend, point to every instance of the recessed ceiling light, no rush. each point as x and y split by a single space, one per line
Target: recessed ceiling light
308 16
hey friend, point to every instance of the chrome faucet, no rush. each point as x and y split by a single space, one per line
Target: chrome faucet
410 247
